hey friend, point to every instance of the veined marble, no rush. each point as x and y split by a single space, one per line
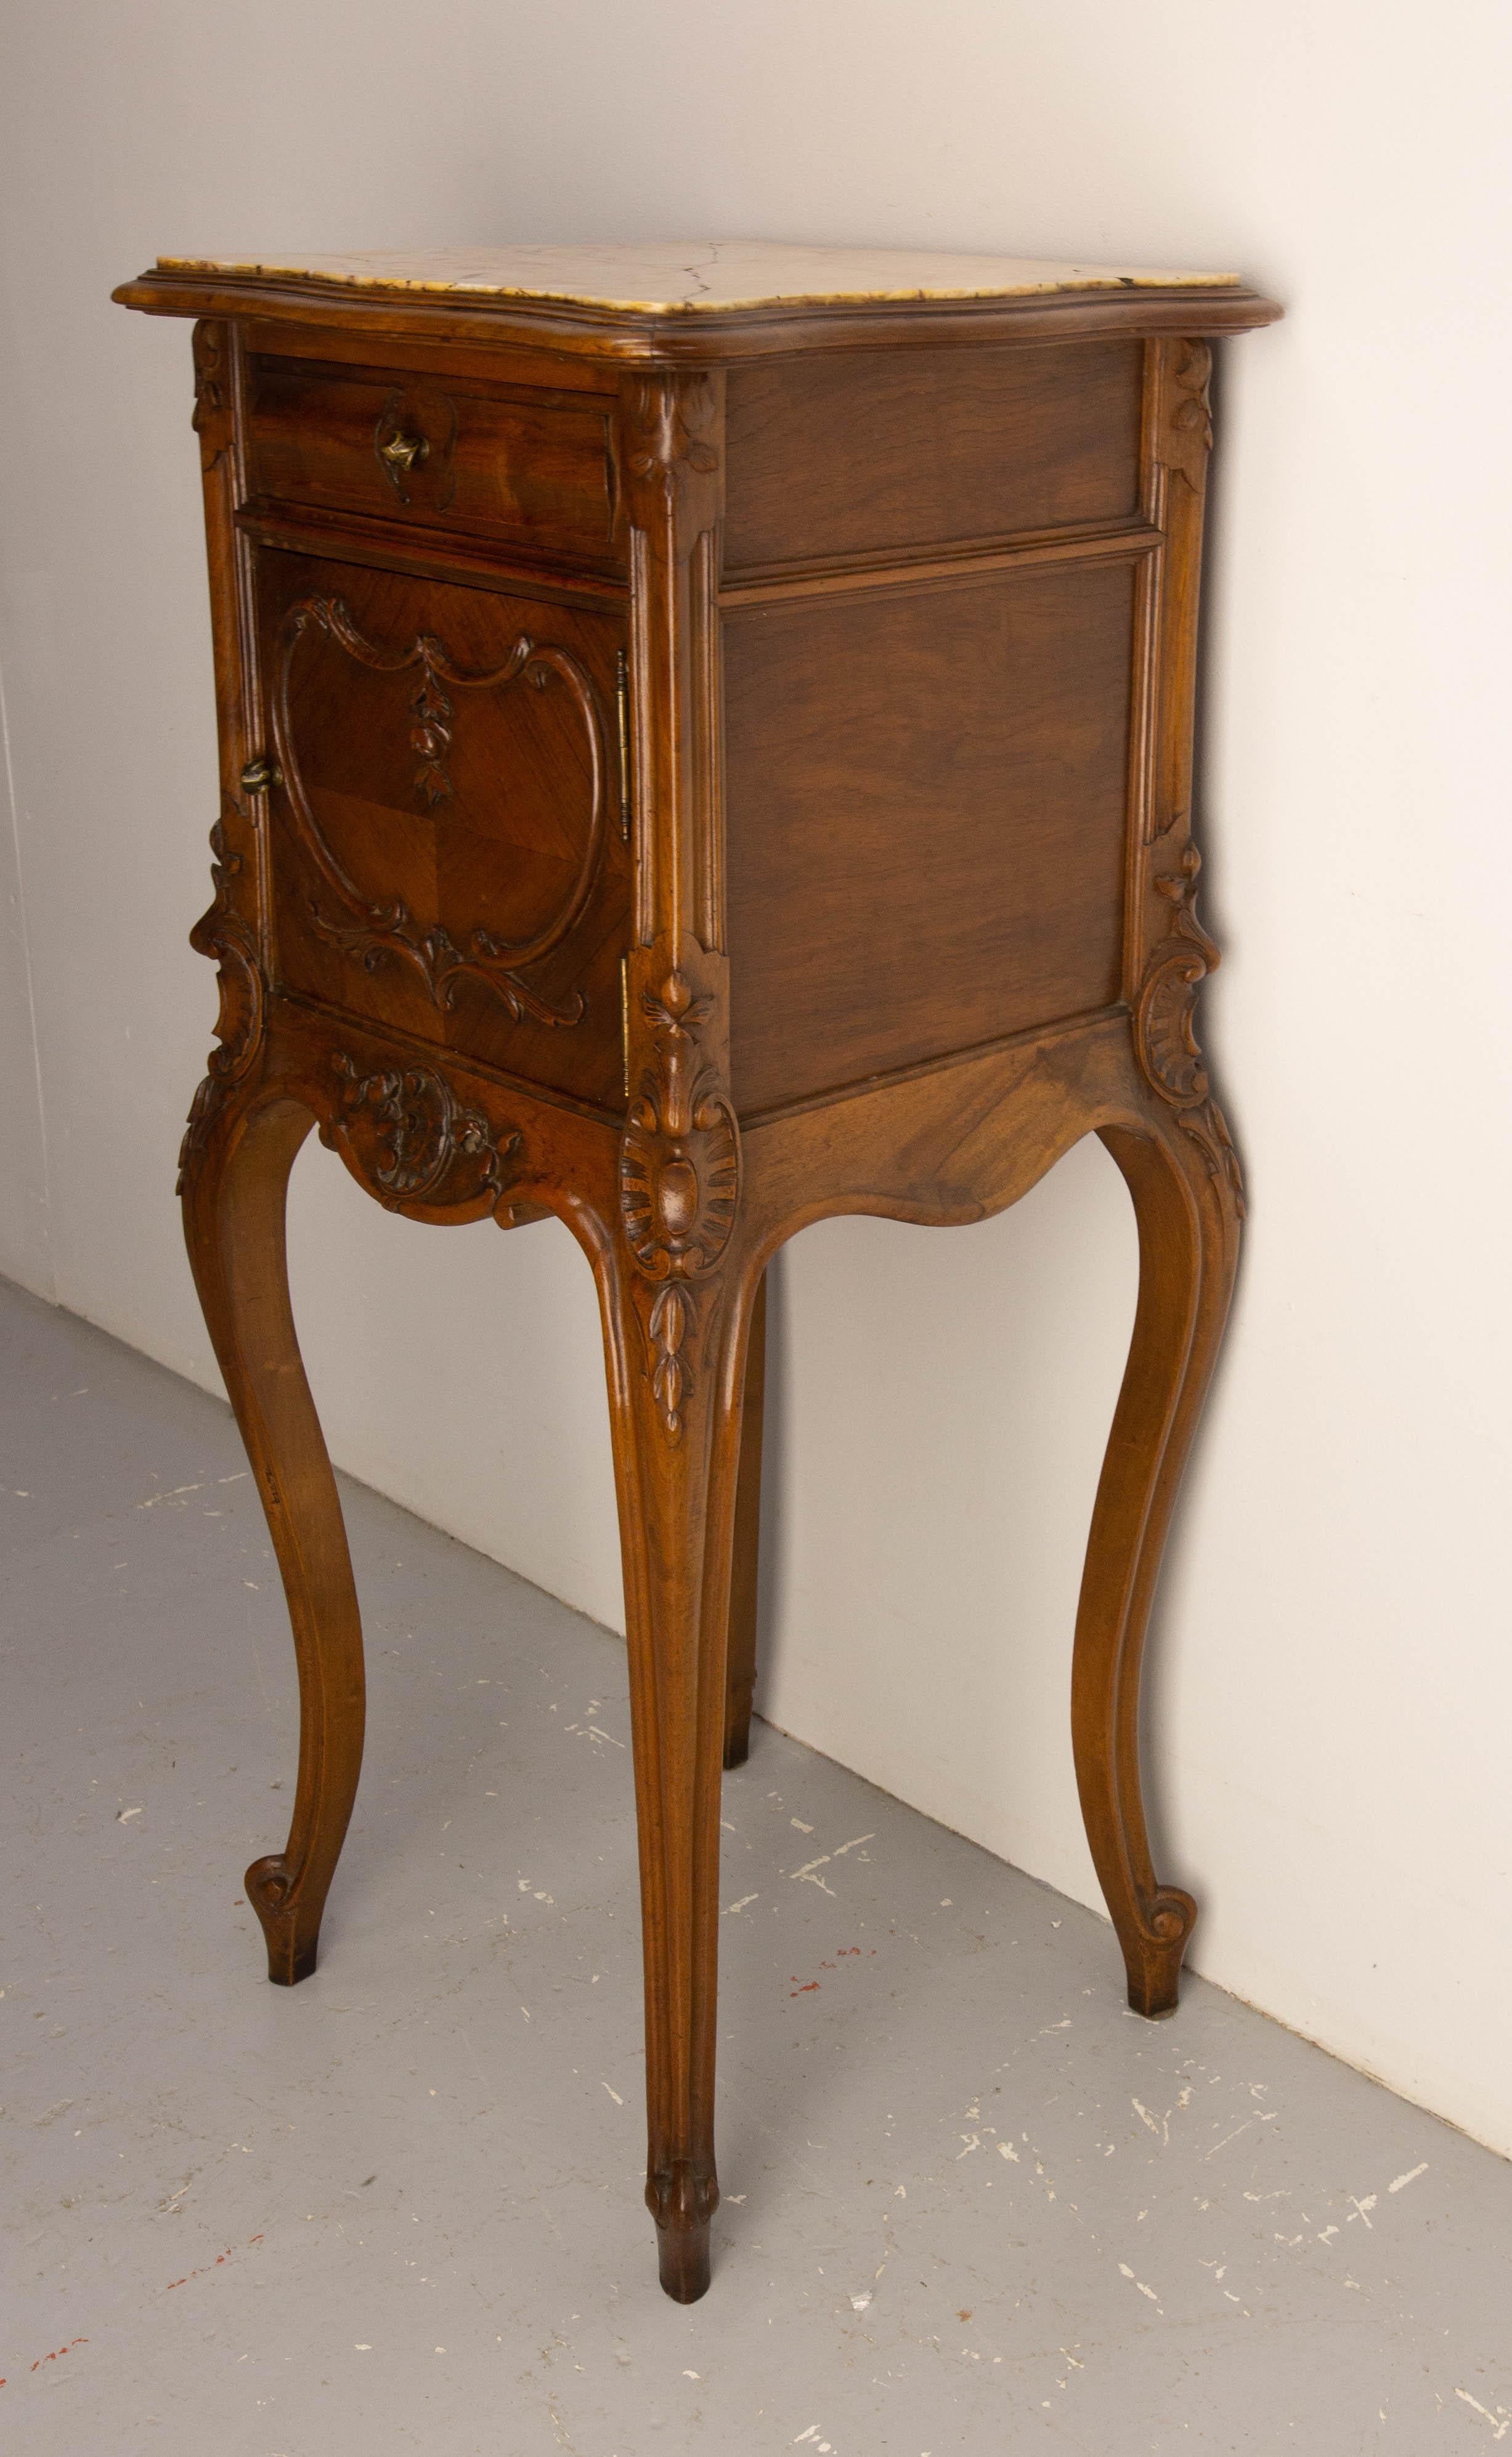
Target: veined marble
698 277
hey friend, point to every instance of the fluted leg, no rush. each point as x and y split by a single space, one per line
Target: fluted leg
236 1176
741 1679
676 1356
1185 1201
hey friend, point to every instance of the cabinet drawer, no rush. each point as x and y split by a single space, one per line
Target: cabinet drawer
535 469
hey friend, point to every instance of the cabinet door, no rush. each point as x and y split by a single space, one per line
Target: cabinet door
446 827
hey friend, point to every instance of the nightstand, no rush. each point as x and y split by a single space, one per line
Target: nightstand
706 745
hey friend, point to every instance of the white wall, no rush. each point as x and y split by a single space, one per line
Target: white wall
1334 1676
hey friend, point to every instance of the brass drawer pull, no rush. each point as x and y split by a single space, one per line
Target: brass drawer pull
258 774
403 451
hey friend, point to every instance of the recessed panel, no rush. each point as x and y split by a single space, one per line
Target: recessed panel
870 454
927 793
446 831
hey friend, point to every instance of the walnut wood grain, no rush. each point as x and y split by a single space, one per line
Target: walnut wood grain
934 467
739 773
535 469
445 825
974 735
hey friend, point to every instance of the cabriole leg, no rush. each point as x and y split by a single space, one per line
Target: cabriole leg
1185 1197
234 1178
741 1679
676 1356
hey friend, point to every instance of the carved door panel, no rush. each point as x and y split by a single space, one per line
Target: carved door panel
447 837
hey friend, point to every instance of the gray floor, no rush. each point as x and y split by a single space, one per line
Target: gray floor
971 2203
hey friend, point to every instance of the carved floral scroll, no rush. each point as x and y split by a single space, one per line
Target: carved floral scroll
227 938
678 1170
1165 1023
412 1141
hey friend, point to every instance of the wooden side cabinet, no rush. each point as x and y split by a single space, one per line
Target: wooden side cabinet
706 745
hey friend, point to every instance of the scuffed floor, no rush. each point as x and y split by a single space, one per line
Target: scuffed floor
971 2203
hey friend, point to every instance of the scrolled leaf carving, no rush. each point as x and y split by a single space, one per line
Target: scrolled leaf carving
1187 437
671 458
375 932
679 1166
1167 1016
1165 1023
228 939
680 1152
672 1318
212 419
431 738
670 433
413 1142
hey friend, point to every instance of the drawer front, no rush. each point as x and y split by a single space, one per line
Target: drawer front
534 470
447 850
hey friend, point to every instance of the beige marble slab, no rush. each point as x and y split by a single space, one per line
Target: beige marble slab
698 277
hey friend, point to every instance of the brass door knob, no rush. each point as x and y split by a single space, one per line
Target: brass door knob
401 451
258 774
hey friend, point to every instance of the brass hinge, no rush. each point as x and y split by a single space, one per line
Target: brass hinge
259 775
622 712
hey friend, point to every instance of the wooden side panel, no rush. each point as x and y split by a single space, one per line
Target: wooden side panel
445 820
878 453
927 792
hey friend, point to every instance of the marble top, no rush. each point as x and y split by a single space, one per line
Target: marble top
698 276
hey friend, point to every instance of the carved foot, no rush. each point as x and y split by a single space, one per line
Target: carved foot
292 1940
682 2203
236 1174
1154 1958
1186 1209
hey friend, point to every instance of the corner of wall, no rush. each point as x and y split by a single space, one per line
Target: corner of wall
26 1247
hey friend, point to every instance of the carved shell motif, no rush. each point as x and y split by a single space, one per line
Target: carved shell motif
679 1156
